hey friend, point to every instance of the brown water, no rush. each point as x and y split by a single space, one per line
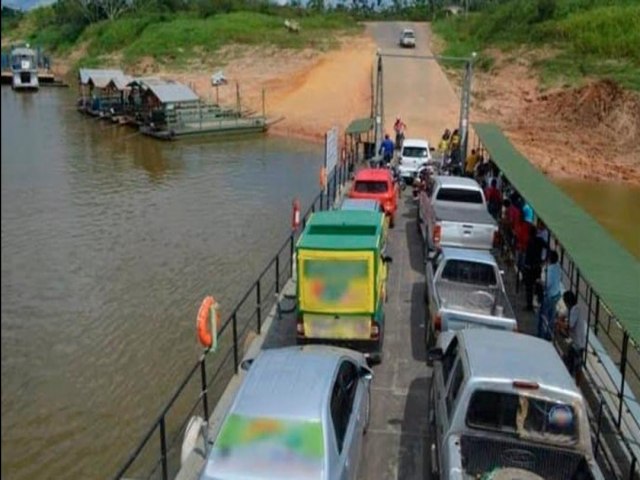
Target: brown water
110 241
615 206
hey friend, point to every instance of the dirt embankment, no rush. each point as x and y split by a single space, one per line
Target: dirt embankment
591 132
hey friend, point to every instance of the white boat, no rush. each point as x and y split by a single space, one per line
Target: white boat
24 69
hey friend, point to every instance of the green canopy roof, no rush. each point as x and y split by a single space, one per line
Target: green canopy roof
611 270
360 125
343 230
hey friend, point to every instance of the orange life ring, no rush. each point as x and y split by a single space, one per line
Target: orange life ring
205 321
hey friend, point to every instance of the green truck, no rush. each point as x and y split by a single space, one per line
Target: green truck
341 280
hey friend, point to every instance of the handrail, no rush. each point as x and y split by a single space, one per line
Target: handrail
337 179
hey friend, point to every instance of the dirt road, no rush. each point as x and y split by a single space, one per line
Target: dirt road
415 89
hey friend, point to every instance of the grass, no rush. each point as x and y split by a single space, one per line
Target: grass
594 38
180 37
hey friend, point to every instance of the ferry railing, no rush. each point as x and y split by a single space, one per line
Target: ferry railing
196 390
620 349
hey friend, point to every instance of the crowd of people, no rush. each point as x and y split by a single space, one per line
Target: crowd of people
537 264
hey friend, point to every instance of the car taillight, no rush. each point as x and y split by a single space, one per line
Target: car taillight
375 330
300 327
437 323
437 232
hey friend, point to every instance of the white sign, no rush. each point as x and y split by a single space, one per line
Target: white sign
331 150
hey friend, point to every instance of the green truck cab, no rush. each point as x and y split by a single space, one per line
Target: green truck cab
341 280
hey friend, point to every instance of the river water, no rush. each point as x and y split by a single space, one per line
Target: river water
109 242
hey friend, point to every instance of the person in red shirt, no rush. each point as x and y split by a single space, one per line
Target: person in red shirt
494 198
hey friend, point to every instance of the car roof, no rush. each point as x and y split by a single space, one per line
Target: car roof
360 204
415 142
521 357
407 30
474 255
463 182
290 382
373 174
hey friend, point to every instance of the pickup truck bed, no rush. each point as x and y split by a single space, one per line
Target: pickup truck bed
473 299
452 212
482 455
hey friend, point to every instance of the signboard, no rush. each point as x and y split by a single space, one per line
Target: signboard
331 150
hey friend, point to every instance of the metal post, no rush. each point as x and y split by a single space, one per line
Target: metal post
163 449
623 371
203 378
464 109
378 118
595 325
234 321
258 306
278 273
595 449
291 251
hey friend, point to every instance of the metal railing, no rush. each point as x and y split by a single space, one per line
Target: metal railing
621 350
196 389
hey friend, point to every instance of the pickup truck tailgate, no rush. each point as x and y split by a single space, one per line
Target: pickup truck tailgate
466 226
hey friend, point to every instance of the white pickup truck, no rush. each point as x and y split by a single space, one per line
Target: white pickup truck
465 290
503 406
452 211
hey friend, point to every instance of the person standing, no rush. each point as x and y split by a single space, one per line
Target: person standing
399 127
532 265
527 212
470 164
551 296
386 150
576 327
494 198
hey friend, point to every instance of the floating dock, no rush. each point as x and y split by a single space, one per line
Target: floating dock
46 79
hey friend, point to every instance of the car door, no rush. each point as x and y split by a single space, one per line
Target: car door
347 416
442 381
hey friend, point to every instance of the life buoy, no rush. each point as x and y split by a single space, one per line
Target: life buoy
207 315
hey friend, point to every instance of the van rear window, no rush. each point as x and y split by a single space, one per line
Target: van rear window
523 416
459 195
364 186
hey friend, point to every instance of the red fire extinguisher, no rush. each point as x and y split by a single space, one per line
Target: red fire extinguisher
295 218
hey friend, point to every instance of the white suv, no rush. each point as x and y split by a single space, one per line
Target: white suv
415 154
408 38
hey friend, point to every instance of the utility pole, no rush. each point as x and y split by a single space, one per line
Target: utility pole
379 106
465 105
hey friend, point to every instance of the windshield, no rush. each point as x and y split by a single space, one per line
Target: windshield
248 446
469 272
459 195
363 186
407 34
414 152
523 416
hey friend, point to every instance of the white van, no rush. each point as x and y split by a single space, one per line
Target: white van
415 153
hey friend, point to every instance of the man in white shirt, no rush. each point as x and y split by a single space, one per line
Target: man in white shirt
576 327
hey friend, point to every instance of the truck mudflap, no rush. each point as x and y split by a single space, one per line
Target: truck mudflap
482 456
337 327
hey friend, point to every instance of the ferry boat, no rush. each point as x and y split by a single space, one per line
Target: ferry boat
24 69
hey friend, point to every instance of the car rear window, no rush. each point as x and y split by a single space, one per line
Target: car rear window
524 416
369 186
408 34
459 195
414 152
469 272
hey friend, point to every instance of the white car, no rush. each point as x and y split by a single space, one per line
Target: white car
415 154
408 38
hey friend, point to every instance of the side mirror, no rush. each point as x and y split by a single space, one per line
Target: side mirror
246 364
387 259
434 355
366 374
432 149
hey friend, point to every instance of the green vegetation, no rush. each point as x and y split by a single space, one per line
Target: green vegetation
598 38
177 32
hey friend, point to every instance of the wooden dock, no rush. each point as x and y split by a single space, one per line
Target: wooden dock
45 79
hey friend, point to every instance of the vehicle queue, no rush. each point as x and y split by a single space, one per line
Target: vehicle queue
302 411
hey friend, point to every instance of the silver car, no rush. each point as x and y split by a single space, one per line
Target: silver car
300 413
407 38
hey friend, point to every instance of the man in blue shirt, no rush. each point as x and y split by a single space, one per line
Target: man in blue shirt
386 147
552 293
